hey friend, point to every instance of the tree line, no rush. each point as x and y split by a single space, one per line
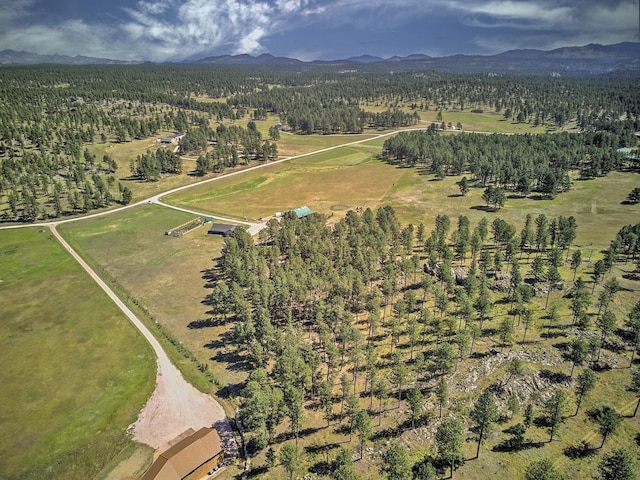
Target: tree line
49 115
518 163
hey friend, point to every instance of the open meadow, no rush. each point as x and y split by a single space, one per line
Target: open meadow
160 275
75 372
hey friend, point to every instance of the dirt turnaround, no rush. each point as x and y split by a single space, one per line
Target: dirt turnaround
174 407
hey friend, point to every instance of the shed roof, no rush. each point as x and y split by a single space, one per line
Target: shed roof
222 228
302 212
185 456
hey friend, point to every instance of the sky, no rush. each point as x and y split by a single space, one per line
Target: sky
173 30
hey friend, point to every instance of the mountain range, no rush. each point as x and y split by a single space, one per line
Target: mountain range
11 57
588 59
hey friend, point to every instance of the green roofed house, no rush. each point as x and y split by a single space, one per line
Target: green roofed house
302 212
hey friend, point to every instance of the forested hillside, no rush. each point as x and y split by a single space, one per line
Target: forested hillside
379 328
54 119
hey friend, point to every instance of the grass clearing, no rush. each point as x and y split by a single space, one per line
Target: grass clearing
596 204
166 275
328 182
75 371
487 121
124 153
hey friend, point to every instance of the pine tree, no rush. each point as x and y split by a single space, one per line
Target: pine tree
483 414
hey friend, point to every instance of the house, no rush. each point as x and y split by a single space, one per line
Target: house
223 229
189 459
173 139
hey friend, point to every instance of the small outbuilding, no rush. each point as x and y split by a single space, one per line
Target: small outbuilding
302 212
189 459
223 229
172 139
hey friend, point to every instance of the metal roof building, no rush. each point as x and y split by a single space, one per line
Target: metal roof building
302 212
190 458
222 229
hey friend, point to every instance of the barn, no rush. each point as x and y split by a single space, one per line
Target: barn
223 229
190 459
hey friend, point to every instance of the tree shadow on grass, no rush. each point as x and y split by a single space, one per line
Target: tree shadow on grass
483 208
583 450
220 342
562 346
549 334
233 360
211 276
322 468
230 390
480 355
254 472
600 367
386 433
204 323
554 377
508 446
541 421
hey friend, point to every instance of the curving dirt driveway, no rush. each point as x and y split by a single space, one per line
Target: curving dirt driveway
175 405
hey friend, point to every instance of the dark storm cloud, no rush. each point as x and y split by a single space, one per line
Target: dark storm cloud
175 29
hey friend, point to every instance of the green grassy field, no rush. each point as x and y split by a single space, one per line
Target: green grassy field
75 371
164 275
482 122
328 182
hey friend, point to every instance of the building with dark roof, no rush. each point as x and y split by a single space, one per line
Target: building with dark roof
189 459
222 229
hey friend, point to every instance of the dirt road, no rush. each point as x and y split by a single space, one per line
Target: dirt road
175 404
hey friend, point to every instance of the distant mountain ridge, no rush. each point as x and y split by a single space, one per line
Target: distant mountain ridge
589 59
11 57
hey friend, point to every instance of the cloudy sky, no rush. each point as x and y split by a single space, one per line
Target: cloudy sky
173 30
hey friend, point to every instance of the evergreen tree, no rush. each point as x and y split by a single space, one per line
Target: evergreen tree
617 465
449 440
290 458
343 468
364 427
483 414
554 409
586 382
396 463
607 420
542 470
